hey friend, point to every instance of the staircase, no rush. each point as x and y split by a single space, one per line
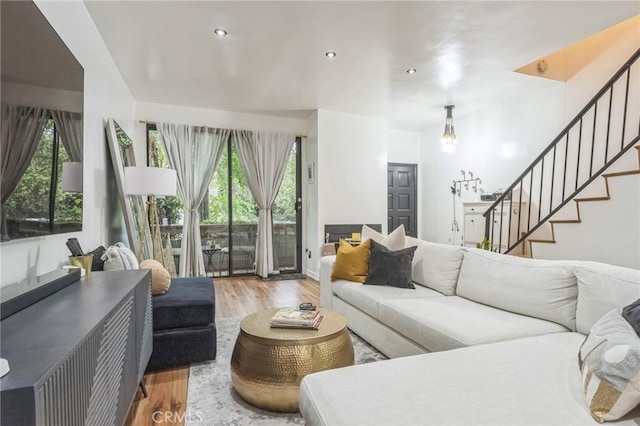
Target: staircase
606 214
592 145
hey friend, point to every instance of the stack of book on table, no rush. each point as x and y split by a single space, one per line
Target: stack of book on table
296 318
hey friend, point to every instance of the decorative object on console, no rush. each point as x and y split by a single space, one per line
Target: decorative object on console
352 263
610 366
396 240
151 182
449 140
84 262
74 247
119 257
98 263
160 277
390 267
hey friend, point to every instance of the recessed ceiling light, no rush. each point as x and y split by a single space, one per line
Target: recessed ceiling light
412 71
330 54
220 32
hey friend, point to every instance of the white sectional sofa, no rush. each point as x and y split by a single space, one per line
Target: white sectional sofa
504 332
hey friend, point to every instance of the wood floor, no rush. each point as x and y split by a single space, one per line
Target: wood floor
235 297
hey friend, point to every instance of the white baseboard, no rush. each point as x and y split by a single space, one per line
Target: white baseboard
312 275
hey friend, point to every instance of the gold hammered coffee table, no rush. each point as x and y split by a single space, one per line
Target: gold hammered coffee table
268 364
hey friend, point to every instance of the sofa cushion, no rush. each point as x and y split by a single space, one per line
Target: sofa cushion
390 267
352 263
602 288
190 302
543 289
367 298
532 381
437 266
444 323
394 241
610 366
411 241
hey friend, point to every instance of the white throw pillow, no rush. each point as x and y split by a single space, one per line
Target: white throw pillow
544 289
394 241
601 288
118 257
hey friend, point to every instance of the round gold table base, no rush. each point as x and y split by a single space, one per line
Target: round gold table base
267 371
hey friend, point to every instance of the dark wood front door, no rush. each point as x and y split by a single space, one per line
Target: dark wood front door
402 198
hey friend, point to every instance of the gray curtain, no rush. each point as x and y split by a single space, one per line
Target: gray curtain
21 133
264 157
69 126
194 152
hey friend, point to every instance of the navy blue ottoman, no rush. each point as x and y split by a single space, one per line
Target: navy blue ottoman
184 329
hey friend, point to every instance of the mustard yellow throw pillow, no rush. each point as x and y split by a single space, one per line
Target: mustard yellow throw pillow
352 263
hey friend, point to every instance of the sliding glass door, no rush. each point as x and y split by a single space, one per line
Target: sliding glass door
229 216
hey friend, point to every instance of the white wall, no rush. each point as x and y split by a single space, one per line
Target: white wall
105 95
310 255
497 144
351 173
161 113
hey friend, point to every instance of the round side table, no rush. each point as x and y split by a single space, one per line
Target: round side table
268 364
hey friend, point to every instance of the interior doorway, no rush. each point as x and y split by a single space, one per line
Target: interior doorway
402 195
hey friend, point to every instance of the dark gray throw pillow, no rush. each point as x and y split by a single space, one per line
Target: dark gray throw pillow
390 267
631 313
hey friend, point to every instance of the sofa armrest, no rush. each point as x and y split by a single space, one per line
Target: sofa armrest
326 292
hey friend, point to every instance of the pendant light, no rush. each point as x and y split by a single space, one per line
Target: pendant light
449 140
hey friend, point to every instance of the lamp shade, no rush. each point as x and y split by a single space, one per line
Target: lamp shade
149 181
449 140
72 177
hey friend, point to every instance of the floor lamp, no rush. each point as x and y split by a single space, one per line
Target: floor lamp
151 182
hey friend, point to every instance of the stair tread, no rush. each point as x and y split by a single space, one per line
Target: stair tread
579 200
533 240
626 173
565 221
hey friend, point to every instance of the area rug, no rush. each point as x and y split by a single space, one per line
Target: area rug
211 399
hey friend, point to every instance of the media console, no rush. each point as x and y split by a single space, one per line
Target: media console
78 355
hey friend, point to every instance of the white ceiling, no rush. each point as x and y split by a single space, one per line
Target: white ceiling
273 62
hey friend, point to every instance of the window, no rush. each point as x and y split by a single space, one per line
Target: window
229 216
